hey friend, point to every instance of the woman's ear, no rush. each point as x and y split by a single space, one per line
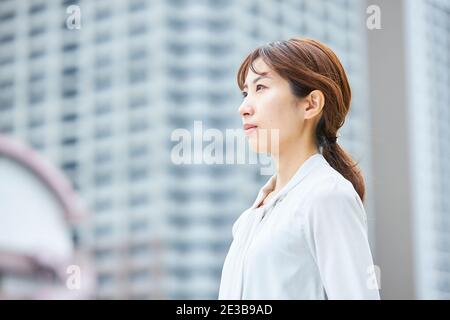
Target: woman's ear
316 101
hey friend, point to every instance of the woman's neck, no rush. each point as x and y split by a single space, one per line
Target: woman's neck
289 160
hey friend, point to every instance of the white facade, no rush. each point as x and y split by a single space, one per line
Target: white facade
428 45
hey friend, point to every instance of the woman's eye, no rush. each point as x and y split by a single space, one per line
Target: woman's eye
259 86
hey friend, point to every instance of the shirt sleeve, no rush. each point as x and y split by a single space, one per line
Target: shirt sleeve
336 231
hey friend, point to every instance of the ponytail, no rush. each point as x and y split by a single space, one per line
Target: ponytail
342 162
339 159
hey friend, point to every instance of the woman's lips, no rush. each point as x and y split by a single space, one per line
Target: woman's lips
249 128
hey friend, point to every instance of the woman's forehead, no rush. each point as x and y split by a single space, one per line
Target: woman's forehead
262 70
260 67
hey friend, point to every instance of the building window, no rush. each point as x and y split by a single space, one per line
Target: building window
102 108
137 173
69 92
103 13
137 29
138 125
102 231
137 101
102 61
36 121
70 71
138 226
137 75
36 53
102 205
102 179
138 250
103 82
37 7
103 132
102 37
6 16
137 5
138 151
179 196
137 200
70 117
6 103
36 77
179 221
70 47
103 157
139 276
70 141
136 54
105 279
7 38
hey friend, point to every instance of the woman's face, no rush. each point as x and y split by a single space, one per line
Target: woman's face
270 105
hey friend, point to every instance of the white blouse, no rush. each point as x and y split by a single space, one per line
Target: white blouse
309 241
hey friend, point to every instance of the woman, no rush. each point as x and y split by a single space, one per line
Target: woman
305 236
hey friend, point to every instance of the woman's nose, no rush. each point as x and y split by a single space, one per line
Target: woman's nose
245 109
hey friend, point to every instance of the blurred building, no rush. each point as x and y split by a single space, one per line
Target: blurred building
101 102
410 88
428 58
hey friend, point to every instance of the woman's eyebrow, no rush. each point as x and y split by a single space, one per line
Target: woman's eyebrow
263 75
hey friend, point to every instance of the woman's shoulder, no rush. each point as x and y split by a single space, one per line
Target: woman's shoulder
332 194
327 190
322 183
327 182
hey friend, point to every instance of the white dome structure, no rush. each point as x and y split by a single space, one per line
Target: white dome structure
38 208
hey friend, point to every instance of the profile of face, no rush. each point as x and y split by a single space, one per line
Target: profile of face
273 117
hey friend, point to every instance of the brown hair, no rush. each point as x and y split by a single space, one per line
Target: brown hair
310 65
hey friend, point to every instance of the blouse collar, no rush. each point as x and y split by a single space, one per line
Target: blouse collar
306 167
